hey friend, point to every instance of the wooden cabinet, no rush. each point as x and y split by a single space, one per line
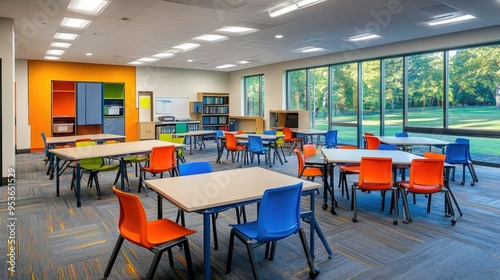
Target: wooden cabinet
215 111
287 118
247 123
146 130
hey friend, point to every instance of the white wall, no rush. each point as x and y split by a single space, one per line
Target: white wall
172 82
275 84
23 132
8 112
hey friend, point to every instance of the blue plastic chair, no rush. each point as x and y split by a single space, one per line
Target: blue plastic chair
278 218
331 139
201 167
256 147
387 147
457 153
402 134
467 141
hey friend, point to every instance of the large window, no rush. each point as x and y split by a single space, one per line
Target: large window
297 90
318 97
371 96
392 70
254 95
344 101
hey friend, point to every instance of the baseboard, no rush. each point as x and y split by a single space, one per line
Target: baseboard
23 151
5 182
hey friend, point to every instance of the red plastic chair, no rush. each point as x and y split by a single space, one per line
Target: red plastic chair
157 236
290 139
372 142
345 170
162 159
233 147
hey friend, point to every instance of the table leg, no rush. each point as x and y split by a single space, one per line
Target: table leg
191 139
159 206
206 246
122 173
57 177
78 198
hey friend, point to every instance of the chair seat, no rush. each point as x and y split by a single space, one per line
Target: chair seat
154 170
421 189
312 172
367 186
349 169
249 229
138 158
161 231
102 168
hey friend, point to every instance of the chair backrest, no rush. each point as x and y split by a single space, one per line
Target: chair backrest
280 141
402 134
456 153
288 133
387 147
372 143
434 155
162 158
366 134
230 141
46 148
219 133
309 150
427 172
165 137
279 213
465 141
132 223
241 132
331 138
269 132
88 139
300 161
90 163
196 167
375 172
255 144
178 140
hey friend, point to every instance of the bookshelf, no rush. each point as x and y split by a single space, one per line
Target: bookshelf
215 111
286 118
152 130
247 123
63 108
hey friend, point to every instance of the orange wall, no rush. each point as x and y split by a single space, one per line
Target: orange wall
40 76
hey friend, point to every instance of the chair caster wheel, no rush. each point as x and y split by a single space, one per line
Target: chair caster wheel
462 183
453 221
394 222
354 220
324 207
472 184
314 273
333 211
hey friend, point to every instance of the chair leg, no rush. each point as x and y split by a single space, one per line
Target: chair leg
313 271
428 203
154 265
214 229
230 252
354 205
97 186
189 262
112 259
253 262
395 205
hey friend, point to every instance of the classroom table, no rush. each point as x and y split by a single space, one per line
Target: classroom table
204 193
63 140
399 158
266 138
309 134
193 137
412 141
119 150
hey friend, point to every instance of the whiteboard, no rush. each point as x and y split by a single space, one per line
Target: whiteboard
172 106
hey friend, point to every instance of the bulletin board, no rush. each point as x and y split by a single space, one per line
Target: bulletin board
172 106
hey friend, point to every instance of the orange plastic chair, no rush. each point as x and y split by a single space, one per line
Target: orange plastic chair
310 172
233 147
372 143
375 174
426 177
345 170
290 139
162 159
309 150
366 134
157 236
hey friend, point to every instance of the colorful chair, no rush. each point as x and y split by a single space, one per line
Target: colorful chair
290 139
157 236
256 147
458 154
345 170
372 142
375 174
161 160
331 139
233 147
278 218
467 141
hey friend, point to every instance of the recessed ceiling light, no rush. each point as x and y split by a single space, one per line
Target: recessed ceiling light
54 52
237 29
211 37
65 36
311 49
74 22
365 36
186 46
243 62
282 9
163 55
279 36
190 60
60 45
88 54
88 6
135 62
48 57
225 66
451 20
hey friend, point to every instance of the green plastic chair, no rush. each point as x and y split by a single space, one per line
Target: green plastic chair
94 166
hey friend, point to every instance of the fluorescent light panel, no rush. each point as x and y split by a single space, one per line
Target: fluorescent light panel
211 37
65 36
451 20
282 9
147 59
312 49
74 22
305 3
48 57
60 45
363 37
89 6
163 55
225 66
186 46
237 29
54 52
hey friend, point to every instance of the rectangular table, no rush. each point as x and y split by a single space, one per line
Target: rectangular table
412 141
63 140
204 192
309 134
114 150
193 137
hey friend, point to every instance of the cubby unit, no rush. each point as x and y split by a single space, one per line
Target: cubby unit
215 111
247 123
291 119
114 108
63 108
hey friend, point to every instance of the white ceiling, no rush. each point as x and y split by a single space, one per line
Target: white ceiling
157 25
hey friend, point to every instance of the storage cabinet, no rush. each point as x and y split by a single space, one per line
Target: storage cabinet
247 123
286 118
113 108
63 108
114 126
215 111
89 104
146 130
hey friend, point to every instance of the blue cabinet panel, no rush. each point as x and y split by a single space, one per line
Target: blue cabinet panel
114 126
81 112
89 103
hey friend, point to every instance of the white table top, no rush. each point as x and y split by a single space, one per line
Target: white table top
411 141
355 155
263 136
117 149
196 133
309 131
93 137
209 190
